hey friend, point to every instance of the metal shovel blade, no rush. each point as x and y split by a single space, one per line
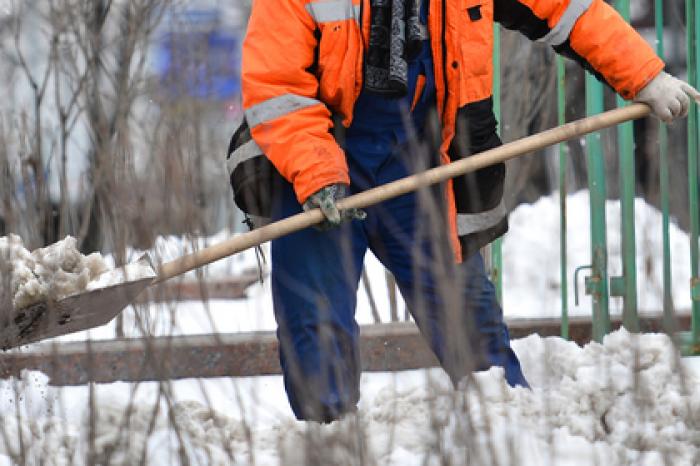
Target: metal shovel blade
78 312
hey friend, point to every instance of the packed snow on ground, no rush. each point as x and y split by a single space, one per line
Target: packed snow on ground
628 401
54 272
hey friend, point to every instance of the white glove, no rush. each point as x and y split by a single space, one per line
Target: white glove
668 97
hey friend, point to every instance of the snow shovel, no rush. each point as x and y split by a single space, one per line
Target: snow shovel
97 307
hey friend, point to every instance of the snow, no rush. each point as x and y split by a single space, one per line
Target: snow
629 400
58 271
531 271
54 272
167 248
129 272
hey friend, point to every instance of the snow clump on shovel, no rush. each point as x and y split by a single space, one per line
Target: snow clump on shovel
51 273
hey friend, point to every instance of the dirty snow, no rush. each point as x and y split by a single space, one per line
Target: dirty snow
54 272
627 401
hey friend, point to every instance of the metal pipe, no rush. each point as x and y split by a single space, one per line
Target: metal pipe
625 140
561 119
497 246
596 187
664 183
692 11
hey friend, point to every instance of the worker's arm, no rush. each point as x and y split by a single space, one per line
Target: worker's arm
287 121
597 37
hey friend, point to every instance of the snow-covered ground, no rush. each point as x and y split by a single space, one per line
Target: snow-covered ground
628 401
531 258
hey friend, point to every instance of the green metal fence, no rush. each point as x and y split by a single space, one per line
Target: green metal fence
692 341
598 284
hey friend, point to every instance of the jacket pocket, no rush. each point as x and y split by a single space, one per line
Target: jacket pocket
473 9
476 34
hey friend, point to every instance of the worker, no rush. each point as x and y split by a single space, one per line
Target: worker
346 95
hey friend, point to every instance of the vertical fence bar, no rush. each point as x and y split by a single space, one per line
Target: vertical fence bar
561 119
597 283
628 281
497 246
664 182
693 164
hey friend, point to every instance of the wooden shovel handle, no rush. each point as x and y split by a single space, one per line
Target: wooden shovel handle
396 188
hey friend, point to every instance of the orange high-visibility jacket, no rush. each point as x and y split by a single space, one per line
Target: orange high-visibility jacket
303 62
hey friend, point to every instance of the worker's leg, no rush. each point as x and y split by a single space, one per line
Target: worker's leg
314 288
454 305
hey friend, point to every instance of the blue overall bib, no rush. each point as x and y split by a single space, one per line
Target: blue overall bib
315 274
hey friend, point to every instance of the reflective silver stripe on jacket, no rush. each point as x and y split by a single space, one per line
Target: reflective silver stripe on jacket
324 11
562 30
471 223
245 152
277 107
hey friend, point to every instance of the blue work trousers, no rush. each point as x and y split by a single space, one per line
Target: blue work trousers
315 276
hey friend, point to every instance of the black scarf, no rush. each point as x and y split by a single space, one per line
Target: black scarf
395 39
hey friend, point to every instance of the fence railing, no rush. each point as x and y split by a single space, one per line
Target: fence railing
599 285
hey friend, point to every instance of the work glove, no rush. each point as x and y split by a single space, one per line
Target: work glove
325 199
668 97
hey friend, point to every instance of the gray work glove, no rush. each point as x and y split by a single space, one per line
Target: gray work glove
325 199
668 97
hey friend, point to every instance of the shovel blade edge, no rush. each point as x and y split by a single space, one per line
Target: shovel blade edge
72 314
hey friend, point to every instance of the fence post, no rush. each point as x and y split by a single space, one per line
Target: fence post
497 246
693 23
626 285
597 283
664 184
561 119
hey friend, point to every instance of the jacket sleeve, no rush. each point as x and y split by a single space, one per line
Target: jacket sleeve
287 121
590 32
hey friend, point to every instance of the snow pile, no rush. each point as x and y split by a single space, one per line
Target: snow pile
626 401
34 431
630 397
54 272
623 402
531 267
204 437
